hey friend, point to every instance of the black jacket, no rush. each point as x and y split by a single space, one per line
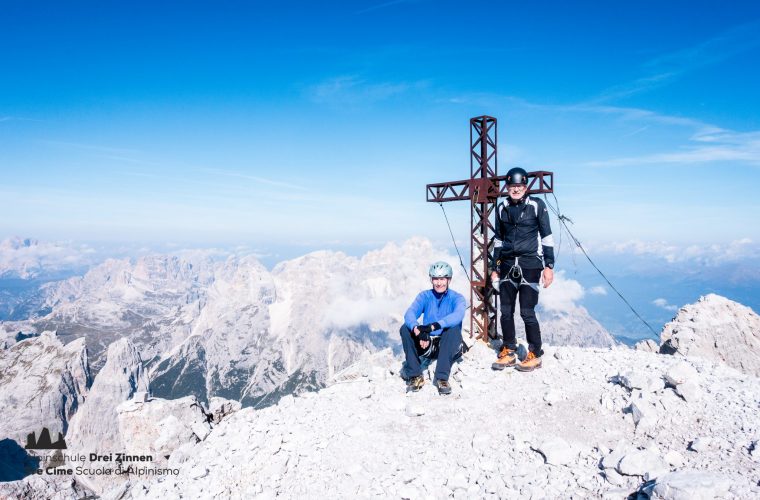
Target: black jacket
519 227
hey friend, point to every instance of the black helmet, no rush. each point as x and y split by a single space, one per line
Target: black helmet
517 175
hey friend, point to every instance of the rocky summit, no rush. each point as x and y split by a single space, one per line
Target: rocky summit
592 423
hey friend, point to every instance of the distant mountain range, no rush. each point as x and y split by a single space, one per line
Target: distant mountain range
208 327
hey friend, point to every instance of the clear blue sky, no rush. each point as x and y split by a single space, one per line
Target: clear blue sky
321 122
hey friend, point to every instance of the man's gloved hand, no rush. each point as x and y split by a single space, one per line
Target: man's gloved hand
429 328
424 335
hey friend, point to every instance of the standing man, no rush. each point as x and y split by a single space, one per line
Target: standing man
443 311
523 253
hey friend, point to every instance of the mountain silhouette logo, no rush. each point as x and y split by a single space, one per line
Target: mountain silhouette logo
44 442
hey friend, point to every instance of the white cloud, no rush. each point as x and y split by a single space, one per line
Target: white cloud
707 254
704 143
27 258
703 147
377 288
598 290
562 295
668 67
352 90
662 303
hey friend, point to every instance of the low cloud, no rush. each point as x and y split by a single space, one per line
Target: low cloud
597 290
663 304
377 288
27 258
562 295
707 254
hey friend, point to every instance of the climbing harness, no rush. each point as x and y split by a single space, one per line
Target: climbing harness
516 278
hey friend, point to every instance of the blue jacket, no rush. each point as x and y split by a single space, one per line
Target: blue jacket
446 309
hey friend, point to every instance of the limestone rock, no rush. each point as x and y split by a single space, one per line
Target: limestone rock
42 384
647 345
161 426
718 329
643 414
141 396
680 373
700 444
220 408
122 376
44 488
556 451
690 485
690 391
633 379
92 428
612 460
642 463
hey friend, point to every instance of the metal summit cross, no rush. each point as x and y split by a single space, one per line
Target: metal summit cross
483 189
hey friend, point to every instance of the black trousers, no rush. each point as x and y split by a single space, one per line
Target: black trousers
508 293
448 349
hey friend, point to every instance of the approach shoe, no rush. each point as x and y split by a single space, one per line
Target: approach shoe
530 363
443 386
507 357
416 383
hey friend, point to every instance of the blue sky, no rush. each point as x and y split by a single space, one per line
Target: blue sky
319 124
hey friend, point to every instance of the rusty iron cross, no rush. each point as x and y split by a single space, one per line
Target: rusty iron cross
483 189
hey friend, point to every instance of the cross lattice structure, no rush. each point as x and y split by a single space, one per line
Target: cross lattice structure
483 189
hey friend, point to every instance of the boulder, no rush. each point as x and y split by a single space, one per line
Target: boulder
556 451
643 414
642 463
219 408
689 391
689 485
700 444
161 426
680 373
717 329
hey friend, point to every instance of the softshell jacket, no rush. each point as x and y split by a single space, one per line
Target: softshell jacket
446 309
523 230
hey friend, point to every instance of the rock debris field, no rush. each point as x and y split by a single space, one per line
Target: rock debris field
592 423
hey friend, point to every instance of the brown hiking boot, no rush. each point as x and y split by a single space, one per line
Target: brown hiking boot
416 383
507 357
530 363
443 386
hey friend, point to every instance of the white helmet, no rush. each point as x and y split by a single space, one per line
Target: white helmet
440 269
